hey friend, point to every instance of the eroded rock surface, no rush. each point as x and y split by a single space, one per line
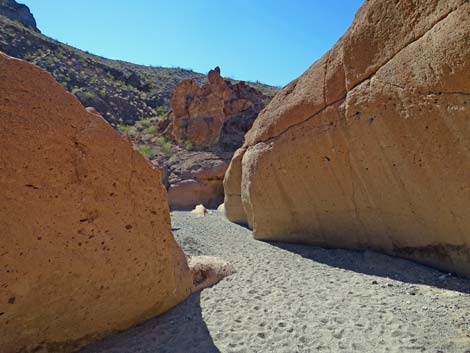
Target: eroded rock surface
219 112
370 147
86 247
196 178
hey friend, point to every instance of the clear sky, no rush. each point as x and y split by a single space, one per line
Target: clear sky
272 41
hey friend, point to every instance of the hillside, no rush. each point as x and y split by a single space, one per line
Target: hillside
122 92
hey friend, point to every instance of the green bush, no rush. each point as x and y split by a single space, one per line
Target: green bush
147 151
159 140
188 146
128 130
89 94
160 111
144 124
151 130
167 148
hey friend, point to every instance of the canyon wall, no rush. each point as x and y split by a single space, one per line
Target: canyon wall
370 147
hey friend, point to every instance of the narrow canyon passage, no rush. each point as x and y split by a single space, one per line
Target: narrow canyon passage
295 298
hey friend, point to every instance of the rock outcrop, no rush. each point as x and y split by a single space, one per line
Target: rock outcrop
370 147
85 242
18 12
219 112
210 121
196 178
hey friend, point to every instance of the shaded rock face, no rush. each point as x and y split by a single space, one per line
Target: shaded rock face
197 178
369 148
219 112
18 12
85 242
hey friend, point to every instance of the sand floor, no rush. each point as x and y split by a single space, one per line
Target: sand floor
294 298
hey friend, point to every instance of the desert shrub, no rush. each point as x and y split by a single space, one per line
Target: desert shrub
167 148
160 111
89 94
128 130
188 146
159 140
143 124
49 61
146 137
147 151
150 130
122 128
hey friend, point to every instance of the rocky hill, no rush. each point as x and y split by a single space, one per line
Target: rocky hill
122 92
19 13
164 111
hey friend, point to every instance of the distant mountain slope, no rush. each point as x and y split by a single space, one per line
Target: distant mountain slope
122 92
18 12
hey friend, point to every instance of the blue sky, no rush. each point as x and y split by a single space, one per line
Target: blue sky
272 41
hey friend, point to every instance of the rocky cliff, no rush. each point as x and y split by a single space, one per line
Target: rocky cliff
370 147
212 120
86 245
202 116
18 12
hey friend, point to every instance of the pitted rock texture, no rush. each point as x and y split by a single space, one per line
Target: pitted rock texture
370 147
219 112
86 245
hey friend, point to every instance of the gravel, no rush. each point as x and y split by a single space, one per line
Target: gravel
294 298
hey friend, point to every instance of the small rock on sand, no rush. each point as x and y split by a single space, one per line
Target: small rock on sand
199 211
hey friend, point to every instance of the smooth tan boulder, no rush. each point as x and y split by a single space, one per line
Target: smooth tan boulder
85 241
370 147
200 211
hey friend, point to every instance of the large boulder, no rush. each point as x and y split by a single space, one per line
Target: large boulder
85 242
370 147
219 112
196 178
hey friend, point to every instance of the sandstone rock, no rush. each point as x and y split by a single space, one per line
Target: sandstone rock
217 113
369 148
85 242
200 211
196 178
208 270
221 208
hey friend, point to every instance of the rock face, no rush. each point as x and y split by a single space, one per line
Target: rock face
212 120
219 112
370 147
85 241
18 12
197 178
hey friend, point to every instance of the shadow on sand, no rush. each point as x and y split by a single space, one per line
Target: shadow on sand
376 264
180 330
